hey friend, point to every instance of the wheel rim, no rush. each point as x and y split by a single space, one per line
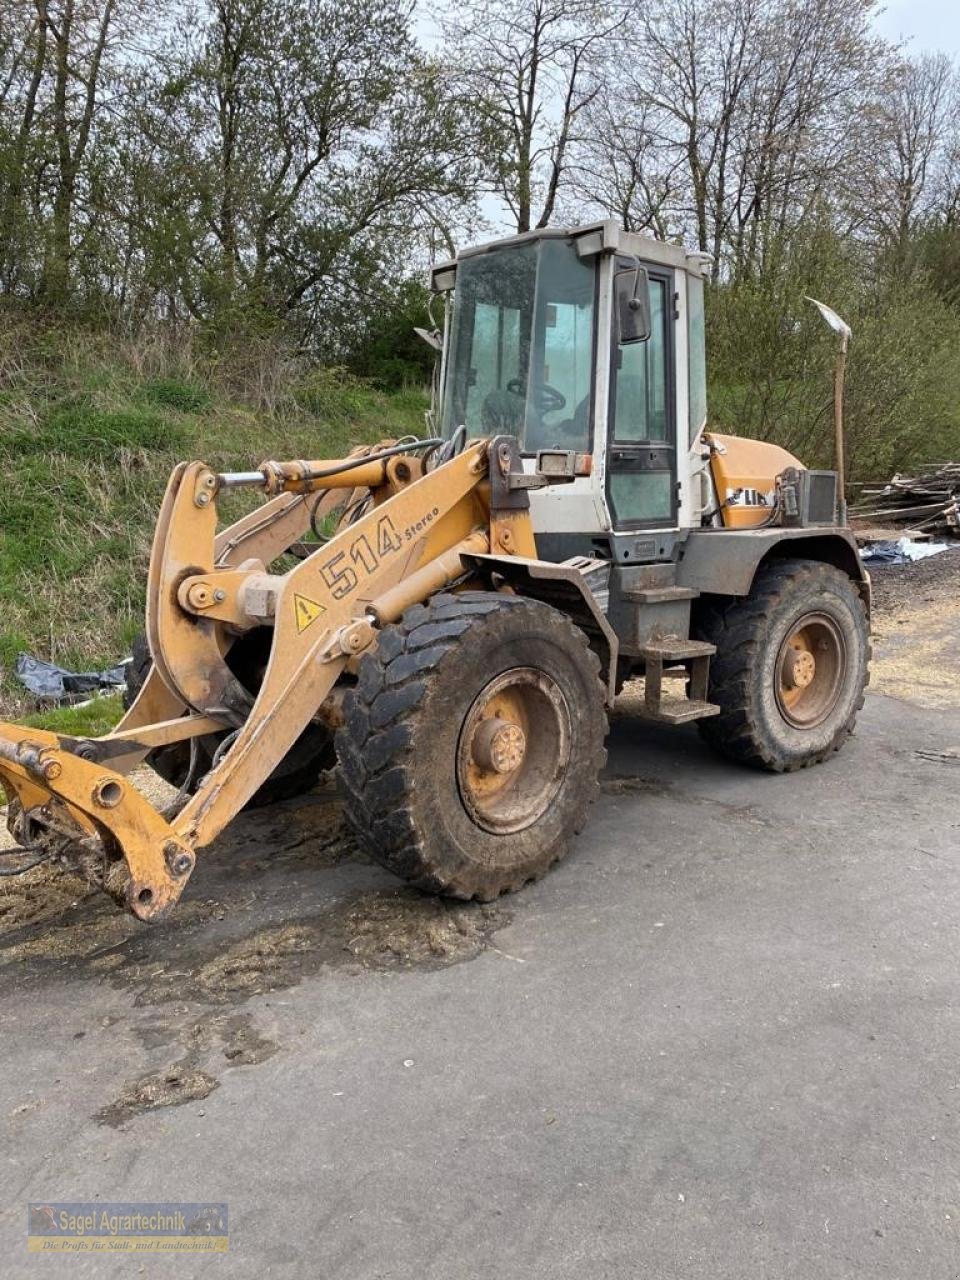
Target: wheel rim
810 671
513 750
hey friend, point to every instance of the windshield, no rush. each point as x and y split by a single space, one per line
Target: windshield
520 357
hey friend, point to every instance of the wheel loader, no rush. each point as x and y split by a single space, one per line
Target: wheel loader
471 604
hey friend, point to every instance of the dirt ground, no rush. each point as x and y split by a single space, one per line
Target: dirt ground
916 628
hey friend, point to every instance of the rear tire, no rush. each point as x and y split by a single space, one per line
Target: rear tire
472 743
296 774
791 666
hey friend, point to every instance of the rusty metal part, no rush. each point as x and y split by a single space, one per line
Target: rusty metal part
514 749
331 712
262 534
122 749
329 591
511 532
188 655
499 745
245 597
347 641
299 477
799 668
303 476
809 671
266 532
402 471
166 731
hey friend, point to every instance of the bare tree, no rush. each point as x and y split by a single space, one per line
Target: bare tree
913 146
700 58
620 165
24 60
78 32
819 70
532 69
730 119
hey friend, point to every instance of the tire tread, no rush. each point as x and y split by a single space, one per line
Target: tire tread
374 745
735 625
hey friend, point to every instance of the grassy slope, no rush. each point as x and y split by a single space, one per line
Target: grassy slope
89 432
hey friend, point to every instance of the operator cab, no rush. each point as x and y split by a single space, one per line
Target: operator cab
589 340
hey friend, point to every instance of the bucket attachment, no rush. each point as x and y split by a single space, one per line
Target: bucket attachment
91 819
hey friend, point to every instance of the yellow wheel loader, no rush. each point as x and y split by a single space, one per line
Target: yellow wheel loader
455 643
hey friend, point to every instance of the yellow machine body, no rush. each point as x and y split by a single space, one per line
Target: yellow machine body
744 475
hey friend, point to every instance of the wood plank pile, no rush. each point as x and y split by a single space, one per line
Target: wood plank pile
928 500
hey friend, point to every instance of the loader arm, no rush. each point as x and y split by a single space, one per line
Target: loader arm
262 534
204 590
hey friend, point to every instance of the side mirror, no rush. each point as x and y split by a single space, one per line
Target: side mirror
633 304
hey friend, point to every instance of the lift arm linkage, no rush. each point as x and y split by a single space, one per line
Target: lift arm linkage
324 612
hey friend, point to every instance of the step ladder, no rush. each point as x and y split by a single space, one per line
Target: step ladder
673 658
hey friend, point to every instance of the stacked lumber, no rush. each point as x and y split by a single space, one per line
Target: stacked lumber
928 500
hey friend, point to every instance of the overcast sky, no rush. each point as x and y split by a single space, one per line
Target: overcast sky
928 26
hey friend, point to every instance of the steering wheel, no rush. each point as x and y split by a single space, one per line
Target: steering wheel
546 399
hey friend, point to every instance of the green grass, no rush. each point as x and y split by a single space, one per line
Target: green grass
89 721
175 393
90 430
81 429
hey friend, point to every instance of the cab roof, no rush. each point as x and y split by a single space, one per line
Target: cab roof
592 238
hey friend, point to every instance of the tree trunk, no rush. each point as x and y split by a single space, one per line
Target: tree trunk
9 217
56 285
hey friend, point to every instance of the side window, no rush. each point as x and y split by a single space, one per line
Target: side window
640 463
640 386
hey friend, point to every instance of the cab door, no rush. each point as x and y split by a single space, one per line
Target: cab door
641 446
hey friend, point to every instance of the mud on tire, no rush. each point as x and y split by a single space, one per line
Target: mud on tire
757 724
404 763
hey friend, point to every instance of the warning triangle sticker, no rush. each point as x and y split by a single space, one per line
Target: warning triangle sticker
306 610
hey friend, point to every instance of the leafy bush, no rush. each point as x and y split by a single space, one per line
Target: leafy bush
771 358
389 351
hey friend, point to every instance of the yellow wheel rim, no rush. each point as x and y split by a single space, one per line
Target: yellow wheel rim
513 750
810 670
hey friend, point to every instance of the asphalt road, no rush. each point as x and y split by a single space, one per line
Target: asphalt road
719 1041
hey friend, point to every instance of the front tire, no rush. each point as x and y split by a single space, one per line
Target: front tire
472 743
791 666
